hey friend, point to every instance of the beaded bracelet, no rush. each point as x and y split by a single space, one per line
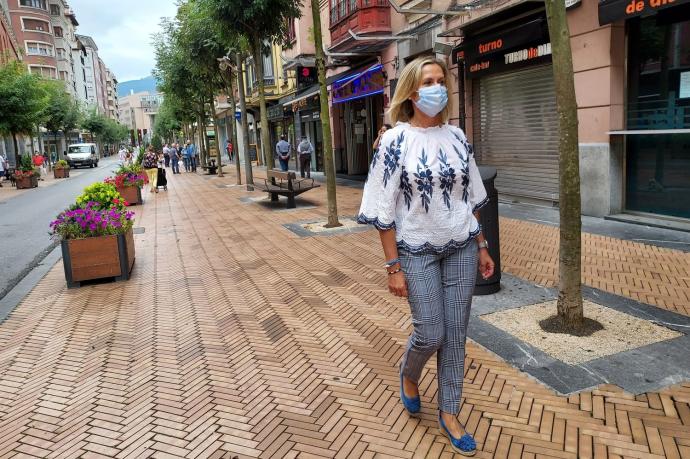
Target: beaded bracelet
390 273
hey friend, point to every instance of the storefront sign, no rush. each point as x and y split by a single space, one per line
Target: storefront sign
355 86
614 10
275 112
306 76
531 32
520 46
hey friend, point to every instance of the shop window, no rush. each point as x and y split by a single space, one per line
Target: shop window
41 4
659 69
658 163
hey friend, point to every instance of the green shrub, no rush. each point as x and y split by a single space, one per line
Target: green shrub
104 195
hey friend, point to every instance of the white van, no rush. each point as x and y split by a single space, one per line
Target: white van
82 154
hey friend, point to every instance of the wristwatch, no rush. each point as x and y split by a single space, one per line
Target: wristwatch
483 244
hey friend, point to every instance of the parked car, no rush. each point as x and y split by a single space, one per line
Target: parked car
82 154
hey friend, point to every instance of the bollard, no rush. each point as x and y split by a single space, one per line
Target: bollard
489 221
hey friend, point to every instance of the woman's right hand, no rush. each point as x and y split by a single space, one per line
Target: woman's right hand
397 284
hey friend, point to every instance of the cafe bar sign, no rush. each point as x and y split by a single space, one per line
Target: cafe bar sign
526 44
615 10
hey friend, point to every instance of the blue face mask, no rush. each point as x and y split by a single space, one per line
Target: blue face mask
432 99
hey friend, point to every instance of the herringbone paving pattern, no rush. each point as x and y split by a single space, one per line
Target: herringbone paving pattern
237 338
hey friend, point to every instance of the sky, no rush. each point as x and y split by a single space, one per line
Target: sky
122 31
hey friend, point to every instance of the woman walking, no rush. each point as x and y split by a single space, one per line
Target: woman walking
422 194
150 164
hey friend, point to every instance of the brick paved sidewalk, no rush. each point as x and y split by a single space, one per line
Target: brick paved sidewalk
236 337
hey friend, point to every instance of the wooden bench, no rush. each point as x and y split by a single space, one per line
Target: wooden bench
279 183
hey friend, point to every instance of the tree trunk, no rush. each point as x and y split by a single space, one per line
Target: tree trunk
233 128
570 293
263 115
249 176
329 164
219 158
16 150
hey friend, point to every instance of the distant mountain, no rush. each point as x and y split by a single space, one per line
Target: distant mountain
145 84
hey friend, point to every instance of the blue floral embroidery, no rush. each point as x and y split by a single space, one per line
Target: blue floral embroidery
406 187
391 158
465 180
375 159
446 177
425 181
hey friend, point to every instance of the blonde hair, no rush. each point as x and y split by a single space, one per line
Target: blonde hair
402 107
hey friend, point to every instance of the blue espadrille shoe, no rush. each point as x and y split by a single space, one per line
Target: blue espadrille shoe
412 404
464 445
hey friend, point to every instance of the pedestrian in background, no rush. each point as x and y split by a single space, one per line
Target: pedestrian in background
3 167
175 158
304 151
185 157
428 224
150 165
283 152
228 149
382 131
166 155
190 156
39 161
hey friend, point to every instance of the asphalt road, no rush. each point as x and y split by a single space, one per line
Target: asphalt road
24 221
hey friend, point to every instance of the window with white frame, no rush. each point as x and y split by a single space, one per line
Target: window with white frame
37 48
41 4
35 25
54 9
61 53
44 71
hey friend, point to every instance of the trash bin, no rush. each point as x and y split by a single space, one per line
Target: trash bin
489 222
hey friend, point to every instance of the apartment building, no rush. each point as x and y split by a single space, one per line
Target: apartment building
64 24
31 21
111 94
138 112
9 48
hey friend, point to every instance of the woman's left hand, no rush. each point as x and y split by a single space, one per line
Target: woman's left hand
486 264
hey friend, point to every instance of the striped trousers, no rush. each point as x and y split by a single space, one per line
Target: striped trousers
440 290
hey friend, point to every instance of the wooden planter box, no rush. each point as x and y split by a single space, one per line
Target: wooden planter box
98 258
27 182
61 173
131 194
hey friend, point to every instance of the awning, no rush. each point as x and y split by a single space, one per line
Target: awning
296 97
614 10
365 83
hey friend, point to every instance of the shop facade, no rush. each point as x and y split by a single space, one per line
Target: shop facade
631 62
513 105
304 111
656 136
357 111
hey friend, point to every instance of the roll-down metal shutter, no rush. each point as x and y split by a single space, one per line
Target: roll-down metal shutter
516 130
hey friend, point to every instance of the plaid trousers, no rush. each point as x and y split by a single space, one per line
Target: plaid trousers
440 290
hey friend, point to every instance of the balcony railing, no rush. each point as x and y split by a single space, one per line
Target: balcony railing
343 9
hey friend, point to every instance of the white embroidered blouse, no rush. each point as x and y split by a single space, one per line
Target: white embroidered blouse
424 182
